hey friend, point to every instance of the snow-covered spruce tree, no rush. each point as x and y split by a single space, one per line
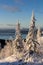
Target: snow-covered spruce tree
7 50
38 34
31 37
39 39
17 43
8 47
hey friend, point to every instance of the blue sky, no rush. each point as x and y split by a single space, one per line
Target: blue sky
12 10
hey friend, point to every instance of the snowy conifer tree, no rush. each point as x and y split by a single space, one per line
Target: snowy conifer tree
31 37
17 43
7 50
38 33
18 37
39 36
31 33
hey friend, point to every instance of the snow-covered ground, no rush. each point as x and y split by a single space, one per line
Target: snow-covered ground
11 60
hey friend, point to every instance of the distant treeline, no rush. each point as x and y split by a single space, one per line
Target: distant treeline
23 31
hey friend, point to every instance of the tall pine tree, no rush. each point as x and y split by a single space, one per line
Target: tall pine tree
18 38
31 33
31 38
17 43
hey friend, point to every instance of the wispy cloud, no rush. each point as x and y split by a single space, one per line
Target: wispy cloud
20 2
10 8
